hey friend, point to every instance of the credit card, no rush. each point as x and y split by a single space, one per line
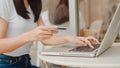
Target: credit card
61 28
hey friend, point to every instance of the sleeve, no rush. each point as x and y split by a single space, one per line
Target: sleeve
4 9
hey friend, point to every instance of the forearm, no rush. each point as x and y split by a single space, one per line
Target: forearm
55 40
10 44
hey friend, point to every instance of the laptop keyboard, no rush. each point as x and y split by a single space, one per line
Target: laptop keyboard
85 48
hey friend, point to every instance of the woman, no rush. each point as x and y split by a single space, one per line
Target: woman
17 21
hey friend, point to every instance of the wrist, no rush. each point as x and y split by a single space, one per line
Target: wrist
66 38
24 37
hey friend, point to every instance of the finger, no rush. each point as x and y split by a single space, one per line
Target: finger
49 28
82 39
45 32
87 42
91 41
54 31
83 43
80 42
77 41
45 37
94 40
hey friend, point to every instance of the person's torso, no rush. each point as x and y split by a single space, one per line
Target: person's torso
17 25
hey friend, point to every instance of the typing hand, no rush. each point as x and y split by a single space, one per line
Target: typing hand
85 41
93 41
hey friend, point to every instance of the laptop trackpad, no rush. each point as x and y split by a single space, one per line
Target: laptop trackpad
84 48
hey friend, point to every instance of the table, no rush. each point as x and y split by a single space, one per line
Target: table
110 58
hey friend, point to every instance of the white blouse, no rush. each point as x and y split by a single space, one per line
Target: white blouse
16 25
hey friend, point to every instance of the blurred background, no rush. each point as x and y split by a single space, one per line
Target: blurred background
97 15
94 17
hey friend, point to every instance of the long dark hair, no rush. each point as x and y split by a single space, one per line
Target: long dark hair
36 6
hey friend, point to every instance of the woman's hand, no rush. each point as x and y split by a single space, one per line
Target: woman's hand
41 33
82 40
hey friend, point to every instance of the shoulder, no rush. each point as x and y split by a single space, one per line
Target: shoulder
5 3
5 8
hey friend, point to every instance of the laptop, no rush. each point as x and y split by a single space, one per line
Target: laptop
85 51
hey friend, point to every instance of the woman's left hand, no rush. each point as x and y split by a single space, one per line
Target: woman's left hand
85 41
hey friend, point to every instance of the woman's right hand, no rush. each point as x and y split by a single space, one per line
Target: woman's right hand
41 33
